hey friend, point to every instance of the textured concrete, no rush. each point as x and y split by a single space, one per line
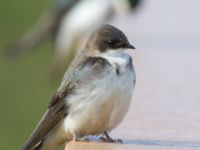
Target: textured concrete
165 112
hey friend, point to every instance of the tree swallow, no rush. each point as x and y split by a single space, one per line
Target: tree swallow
70 23
95 93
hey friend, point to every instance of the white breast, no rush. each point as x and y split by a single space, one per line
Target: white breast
101 105
123 86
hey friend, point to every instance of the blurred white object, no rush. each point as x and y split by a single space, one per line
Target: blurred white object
70 22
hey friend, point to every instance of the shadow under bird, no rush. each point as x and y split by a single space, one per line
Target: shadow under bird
94 95
69 22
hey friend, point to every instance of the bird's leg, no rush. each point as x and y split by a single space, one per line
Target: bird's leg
74 137
108 139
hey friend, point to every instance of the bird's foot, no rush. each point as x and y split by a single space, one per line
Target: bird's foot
82 139
108 139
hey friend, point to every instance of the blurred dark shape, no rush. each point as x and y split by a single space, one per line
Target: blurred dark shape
68 22
134 3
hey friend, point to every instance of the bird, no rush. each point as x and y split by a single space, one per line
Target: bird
94 95
69 23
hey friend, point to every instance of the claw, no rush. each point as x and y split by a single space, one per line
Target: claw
108 139
83 139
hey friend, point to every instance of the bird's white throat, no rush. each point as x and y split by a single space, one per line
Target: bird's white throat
117 57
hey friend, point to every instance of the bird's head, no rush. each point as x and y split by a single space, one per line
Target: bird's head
107 37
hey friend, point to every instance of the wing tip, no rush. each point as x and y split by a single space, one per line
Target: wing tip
29 146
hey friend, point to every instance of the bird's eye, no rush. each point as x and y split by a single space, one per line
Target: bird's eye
110 42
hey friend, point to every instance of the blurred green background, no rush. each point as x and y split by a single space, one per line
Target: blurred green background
25 89
170 26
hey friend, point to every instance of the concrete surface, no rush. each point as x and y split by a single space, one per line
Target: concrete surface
165 111
103 146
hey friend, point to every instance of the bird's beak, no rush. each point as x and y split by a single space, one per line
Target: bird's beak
130 46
